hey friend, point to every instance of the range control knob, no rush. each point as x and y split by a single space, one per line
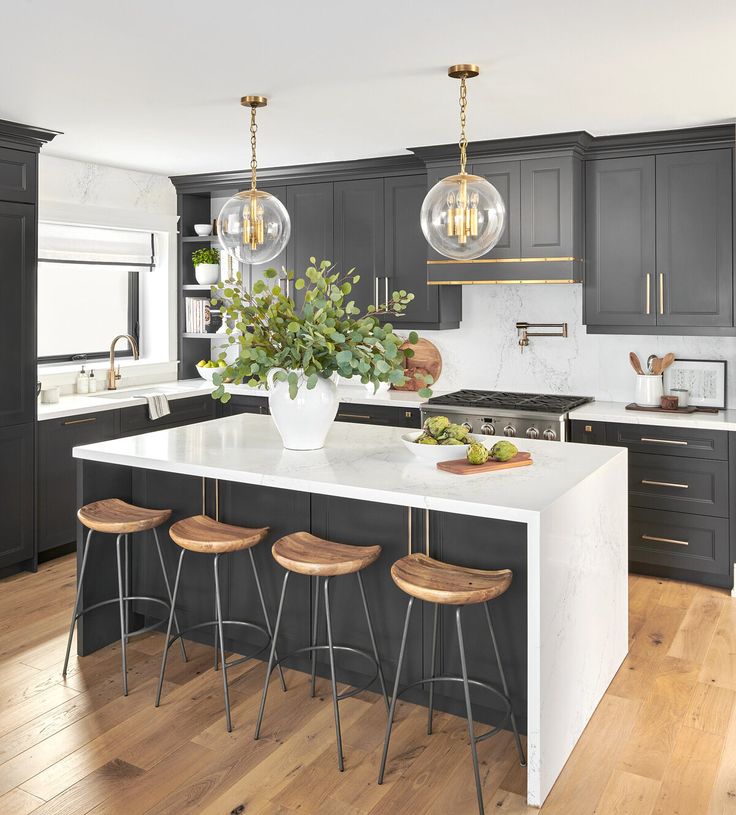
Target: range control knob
532 433
549 434
467 426
488 429
509 430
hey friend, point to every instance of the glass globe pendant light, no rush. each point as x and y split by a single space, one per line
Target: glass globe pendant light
463 215
253 226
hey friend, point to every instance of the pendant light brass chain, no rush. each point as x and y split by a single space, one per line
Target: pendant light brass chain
463 137
253 162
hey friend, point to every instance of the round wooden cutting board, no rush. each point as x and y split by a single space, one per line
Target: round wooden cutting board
426 359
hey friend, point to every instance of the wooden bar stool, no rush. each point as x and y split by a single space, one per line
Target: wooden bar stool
307 554
116 517
424 578
210 537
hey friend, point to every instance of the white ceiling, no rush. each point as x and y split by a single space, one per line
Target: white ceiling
155 84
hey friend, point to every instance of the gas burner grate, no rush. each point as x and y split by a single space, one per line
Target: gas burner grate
510 401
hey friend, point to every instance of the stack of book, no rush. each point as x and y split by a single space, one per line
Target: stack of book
197 317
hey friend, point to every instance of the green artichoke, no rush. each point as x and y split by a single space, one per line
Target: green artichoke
435 425
452 441
456 431
477 453
426 439
503 450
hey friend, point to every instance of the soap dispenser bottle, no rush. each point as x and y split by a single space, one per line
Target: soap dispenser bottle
92 384
82 382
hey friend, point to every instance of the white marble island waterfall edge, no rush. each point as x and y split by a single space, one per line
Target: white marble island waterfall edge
573 501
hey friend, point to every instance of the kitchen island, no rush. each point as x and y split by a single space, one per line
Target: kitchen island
560 525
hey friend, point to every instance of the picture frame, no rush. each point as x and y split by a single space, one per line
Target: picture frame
704 378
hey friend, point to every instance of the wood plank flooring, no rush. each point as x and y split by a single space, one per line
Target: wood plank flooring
662 741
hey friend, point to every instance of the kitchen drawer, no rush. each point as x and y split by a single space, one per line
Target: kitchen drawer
669 441
674 540
244 404
183 411
583 432
379 414
678 484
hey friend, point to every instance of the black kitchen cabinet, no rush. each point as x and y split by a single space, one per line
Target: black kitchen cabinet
18 175
695 239
135 420
620 271
359 236
310 207
379 414
405 265
16 495
18 324
56 481
243 404
659 243
506 178
681 521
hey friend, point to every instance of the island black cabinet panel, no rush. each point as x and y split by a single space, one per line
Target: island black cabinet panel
18 324
406 259
359 235
310 207
16 495
695 239
620 269
18 175
56 490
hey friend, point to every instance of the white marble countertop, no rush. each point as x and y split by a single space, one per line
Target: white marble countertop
76 404
365 462
616 412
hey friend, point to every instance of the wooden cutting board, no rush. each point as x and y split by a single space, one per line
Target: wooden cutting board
461 466
426 359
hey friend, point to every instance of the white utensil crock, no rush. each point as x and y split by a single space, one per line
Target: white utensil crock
648 390
305 421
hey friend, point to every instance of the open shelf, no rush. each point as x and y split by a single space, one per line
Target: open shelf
198 239
195 287
193 336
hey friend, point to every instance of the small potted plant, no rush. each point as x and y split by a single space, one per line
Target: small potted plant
297 345
206 266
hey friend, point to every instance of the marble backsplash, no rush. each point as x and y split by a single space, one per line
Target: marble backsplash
484 352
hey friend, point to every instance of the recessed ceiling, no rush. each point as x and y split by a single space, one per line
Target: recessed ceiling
156 85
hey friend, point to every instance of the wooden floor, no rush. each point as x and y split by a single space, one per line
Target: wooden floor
663 739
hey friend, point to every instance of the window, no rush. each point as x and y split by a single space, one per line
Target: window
88 288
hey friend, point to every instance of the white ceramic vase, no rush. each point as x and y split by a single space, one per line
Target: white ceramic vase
305 421
207 273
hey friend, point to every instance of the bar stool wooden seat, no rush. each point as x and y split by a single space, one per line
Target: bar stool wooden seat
116 517
424 578
306 554
204 535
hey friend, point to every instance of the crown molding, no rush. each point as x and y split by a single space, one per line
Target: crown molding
26 135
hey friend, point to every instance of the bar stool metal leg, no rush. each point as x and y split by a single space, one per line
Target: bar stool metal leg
265 613
168 630
168 591
373 640
504 685
225 688
272 656
395 694
76 602
469 711
433 668
121 603
335 706
315 628
126 579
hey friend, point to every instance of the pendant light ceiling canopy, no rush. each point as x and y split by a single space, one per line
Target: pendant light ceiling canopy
253 226
463 215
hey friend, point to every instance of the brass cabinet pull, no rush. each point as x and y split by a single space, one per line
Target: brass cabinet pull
664 540
81 421
649 293
664 441
353 416
375 291
385 283
661 293
665 484
588 428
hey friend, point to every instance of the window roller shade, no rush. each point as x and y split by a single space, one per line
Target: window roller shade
64 243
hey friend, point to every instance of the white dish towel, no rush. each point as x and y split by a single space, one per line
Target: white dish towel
158 405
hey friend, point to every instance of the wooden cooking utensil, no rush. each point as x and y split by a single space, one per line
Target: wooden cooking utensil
656 365
635 364
667 360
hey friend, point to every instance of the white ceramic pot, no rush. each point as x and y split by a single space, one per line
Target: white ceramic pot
648 390
207 273
305 421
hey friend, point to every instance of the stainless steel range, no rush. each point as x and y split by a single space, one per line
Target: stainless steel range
499 413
